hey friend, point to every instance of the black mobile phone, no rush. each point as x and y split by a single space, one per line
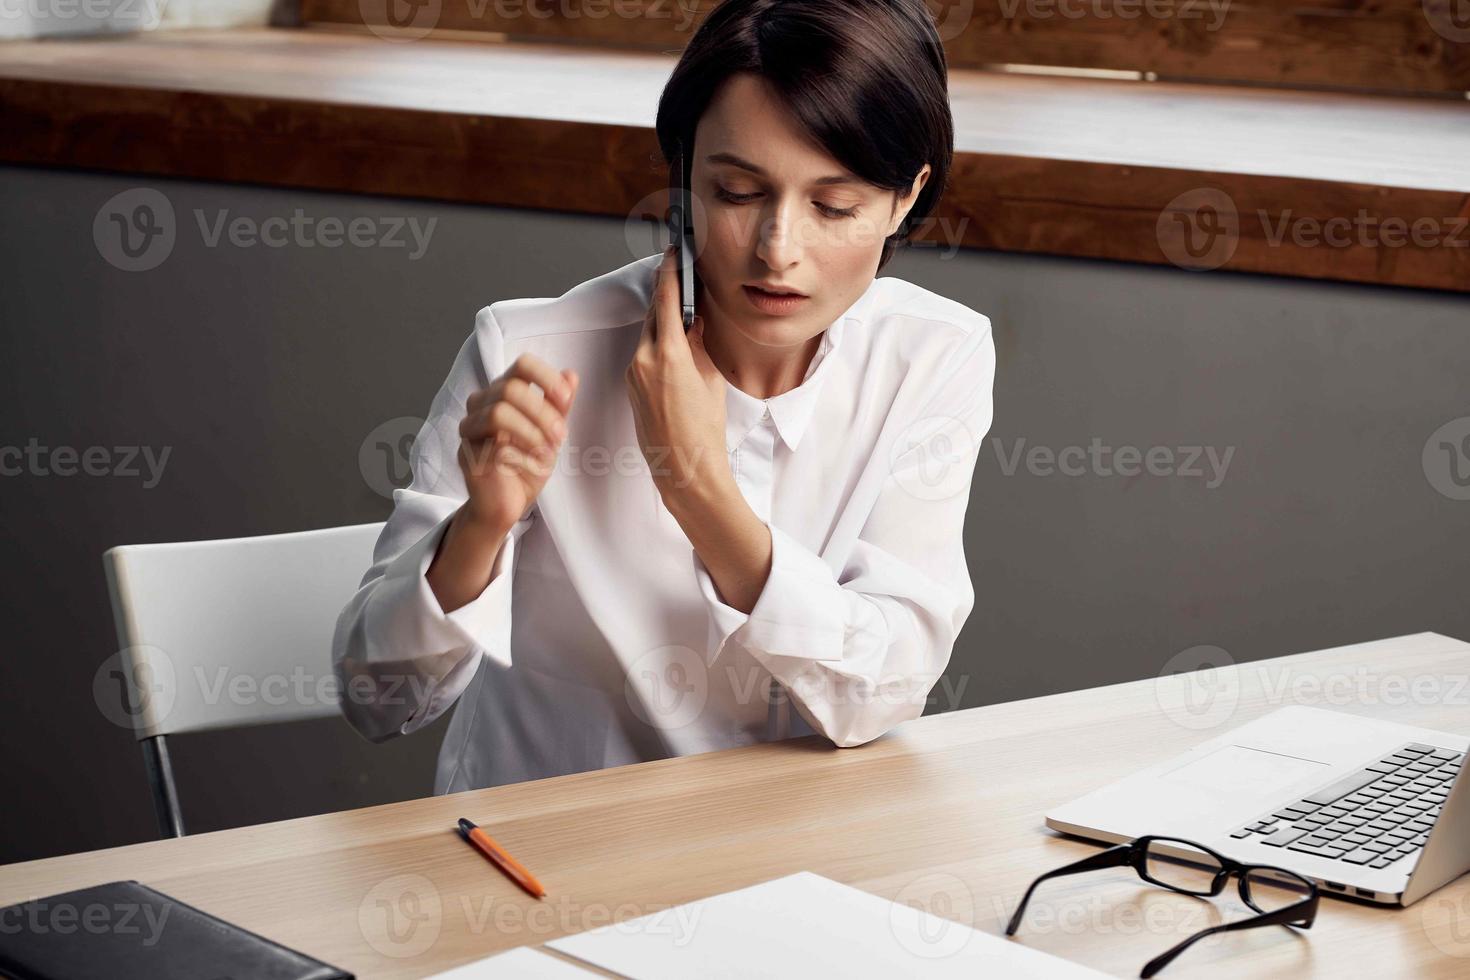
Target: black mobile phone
681 231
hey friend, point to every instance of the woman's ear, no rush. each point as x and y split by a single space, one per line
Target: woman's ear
903 205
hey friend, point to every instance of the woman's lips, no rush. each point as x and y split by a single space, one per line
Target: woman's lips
771 303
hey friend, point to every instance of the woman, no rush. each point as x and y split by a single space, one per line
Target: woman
623 542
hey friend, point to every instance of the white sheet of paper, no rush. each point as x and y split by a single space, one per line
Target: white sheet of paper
521 963
805 925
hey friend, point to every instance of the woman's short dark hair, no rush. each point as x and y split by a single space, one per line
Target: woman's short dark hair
866 79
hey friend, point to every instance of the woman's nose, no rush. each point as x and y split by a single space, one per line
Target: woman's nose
780 240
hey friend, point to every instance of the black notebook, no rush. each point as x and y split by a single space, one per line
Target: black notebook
123 930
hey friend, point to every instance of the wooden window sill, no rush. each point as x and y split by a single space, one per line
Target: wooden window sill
1292 183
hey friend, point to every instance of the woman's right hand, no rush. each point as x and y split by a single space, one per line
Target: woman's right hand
509 438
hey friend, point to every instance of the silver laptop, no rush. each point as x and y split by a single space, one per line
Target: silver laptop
1367 808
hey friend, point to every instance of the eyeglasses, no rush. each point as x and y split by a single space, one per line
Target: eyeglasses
1280 897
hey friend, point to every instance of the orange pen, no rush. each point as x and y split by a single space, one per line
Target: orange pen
486 845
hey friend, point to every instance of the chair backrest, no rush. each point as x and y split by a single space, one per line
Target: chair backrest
235 632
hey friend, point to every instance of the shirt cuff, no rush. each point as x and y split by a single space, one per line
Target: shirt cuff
800 611
483 622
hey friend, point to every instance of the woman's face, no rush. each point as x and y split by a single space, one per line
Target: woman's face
778 210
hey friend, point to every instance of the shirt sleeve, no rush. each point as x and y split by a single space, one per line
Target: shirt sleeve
859 640
400 660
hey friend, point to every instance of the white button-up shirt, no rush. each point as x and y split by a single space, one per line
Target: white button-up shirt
601 638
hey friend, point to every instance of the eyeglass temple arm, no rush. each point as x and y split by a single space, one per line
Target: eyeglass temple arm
1113 857
1302 914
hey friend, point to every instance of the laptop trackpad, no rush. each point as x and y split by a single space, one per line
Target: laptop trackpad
1235 769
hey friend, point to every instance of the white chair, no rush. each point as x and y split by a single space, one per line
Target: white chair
228 633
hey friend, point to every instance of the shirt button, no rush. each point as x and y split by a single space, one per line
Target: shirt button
766 414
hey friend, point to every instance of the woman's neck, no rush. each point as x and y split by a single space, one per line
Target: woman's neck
759 371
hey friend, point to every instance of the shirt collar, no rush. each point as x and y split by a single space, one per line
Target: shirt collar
791 411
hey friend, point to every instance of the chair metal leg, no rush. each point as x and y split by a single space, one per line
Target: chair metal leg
161 779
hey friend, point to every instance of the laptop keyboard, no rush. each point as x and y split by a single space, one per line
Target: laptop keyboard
1373 817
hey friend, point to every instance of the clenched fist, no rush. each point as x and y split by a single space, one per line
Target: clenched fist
509 438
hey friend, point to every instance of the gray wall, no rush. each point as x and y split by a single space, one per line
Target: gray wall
265 369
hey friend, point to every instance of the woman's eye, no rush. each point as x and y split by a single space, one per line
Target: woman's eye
827 210
733 197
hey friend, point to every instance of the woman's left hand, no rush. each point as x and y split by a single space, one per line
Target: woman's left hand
678 395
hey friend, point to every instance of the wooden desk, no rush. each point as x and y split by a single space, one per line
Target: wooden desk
946 810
